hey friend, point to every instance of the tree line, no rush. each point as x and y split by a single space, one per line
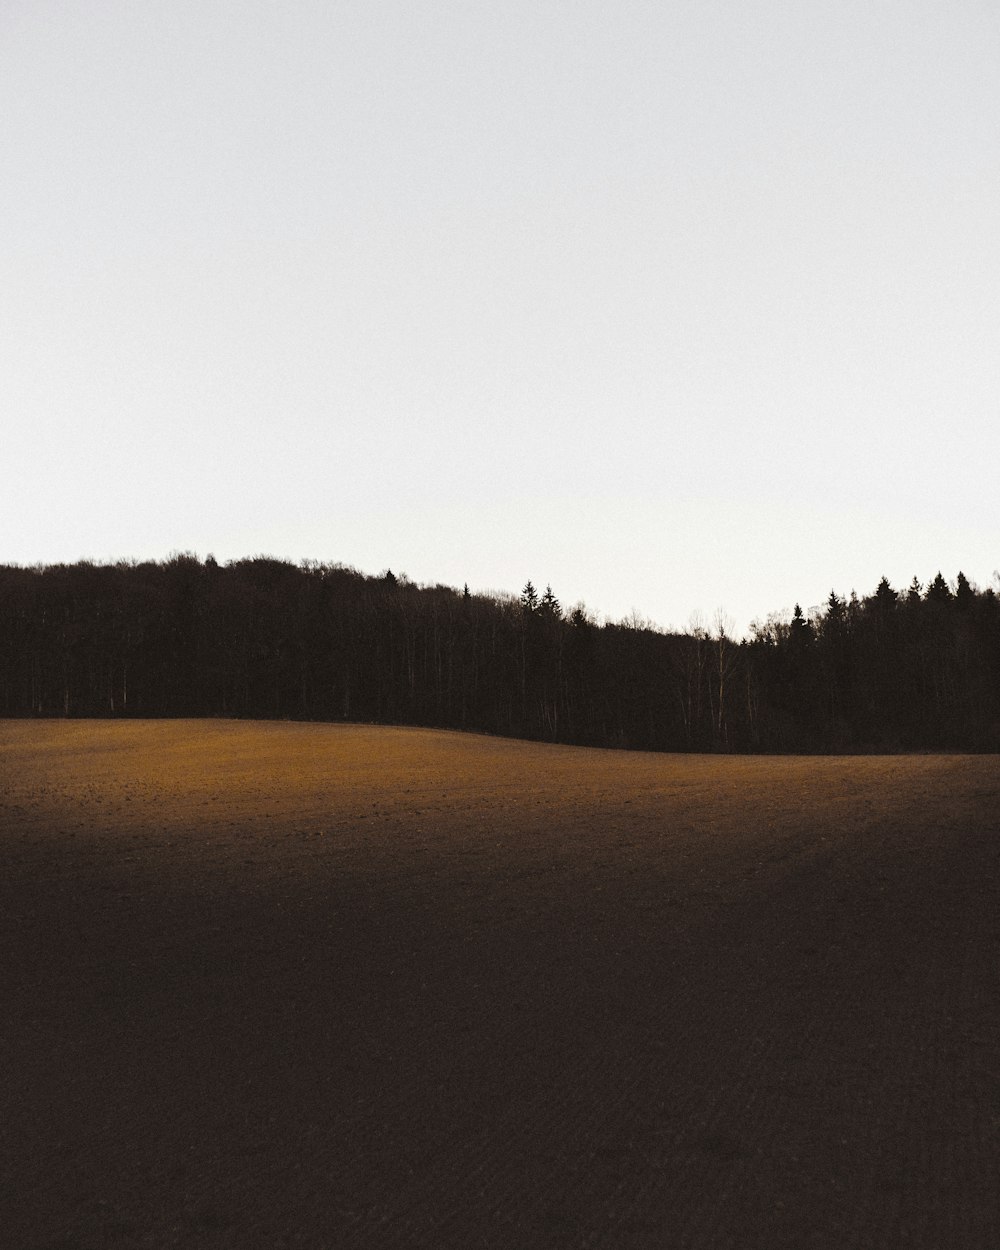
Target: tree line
265 638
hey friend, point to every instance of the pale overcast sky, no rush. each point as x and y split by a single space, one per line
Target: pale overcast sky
673 305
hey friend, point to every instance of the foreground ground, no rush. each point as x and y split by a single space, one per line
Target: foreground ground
282 985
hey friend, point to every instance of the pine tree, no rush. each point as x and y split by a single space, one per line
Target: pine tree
964 594
835 621
938 591
800 631
550 605
885 597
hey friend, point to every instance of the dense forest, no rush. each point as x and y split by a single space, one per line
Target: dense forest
260 637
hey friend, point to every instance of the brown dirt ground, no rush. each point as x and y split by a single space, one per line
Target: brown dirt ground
281 985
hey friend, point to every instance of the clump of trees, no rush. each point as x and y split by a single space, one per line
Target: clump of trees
892 671
260 637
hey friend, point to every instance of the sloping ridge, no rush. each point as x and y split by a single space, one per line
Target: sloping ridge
304 985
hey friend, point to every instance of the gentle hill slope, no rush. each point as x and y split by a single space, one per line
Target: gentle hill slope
275 985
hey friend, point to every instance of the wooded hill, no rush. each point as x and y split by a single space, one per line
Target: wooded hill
918 670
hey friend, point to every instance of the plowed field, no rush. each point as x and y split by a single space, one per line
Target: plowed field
280 985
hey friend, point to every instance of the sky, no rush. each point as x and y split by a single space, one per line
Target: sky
676 305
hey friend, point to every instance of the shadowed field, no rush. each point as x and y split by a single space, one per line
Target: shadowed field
280 985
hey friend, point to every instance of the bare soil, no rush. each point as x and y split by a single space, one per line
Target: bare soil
281 985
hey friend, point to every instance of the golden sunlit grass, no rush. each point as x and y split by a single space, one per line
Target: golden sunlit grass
173 775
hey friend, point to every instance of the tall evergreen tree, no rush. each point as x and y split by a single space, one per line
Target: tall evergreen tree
938 591
549 604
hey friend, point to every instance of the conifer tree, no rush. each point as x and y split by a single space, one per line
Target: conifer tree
938 591
550 605
800 631
885 597
963 592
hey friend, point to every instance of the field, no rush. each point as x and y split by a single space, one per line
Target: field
283 985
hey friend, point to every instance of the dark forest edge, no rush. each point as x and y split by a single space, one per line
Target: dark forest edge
267 639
